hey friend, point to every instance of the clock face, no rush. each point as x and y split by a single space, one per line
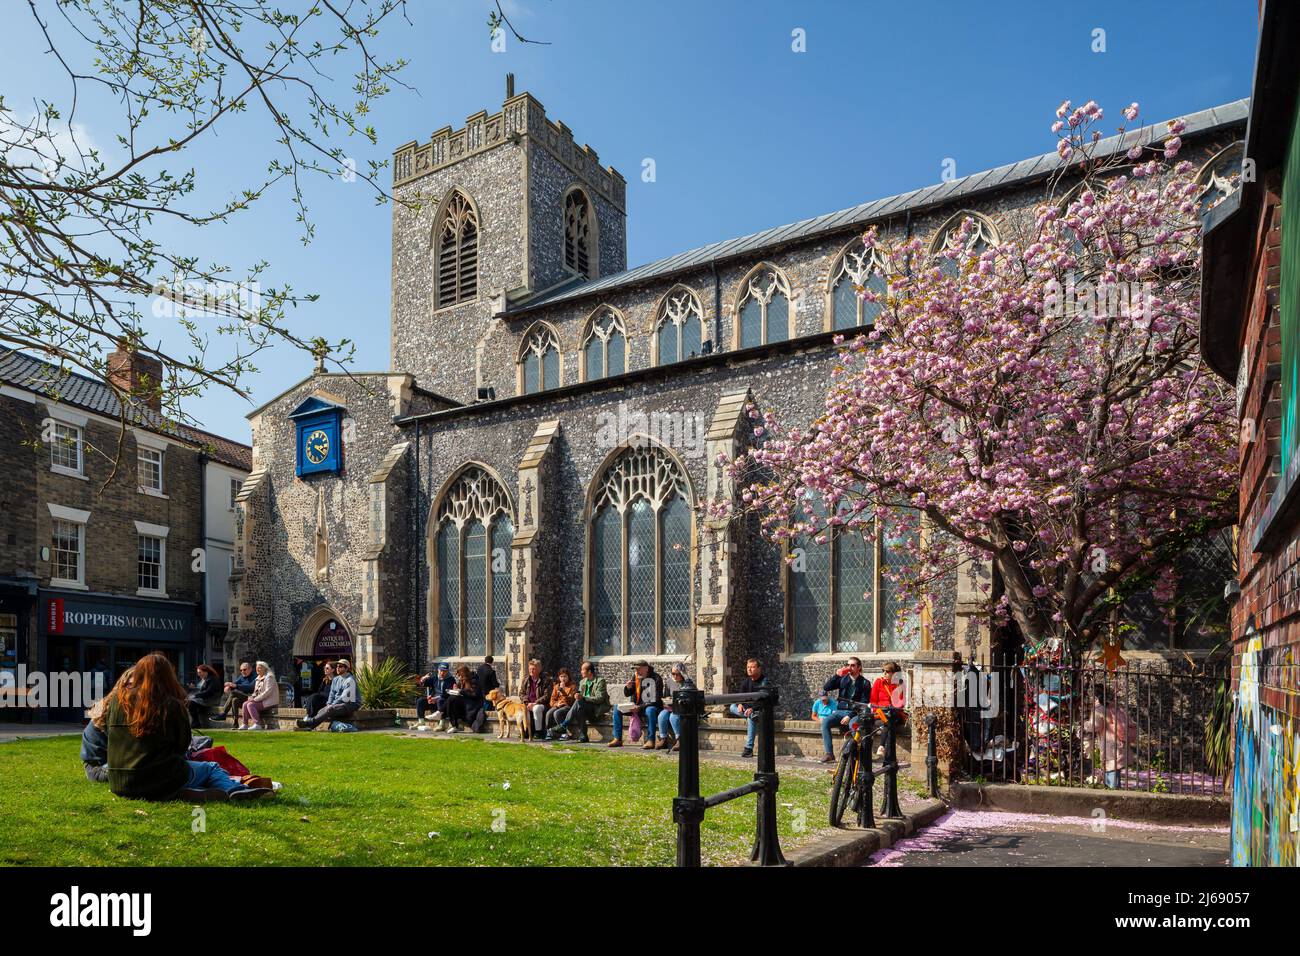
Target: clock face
317 446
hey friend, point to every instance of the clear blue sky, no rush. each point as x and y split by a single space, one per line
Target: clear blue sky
745 133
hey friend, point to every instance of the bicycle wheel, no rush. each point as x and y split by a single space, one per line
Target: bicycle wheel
846 777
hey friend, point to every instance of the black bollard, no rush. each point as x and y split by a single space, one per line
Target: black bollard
890 809
688 808
931 756
867 775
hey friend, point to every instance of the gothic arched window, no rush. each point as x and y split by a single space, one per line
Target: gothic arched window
539 360
981 236
838 601
457 251
763 309
472 538
579 234
640 556
856 268
679 326
604 349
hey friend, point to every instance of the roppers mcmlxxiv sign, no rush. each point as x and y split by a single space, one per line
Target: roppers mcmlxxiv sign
87 618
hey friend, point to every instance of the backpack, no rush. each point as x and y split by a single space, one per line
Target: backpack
342 727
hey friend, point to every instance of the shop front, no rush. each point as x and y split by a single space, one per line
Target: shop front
17 611
325 639
106 634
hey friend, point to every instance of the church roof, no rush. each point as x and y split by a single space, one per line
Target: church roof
944 193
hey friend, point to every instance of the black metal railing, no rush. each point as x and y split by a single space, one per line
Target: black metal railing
689 807
1137 726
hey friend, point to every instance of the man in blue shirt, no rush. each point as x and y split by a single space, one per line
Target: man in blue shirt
237 691
851 688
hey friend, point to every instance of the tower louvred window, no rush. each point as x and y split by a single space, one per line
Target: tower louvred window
577 233
457 252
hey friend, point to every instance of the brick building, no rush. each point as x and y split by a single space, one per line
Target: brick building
522 481
101 516
1250 335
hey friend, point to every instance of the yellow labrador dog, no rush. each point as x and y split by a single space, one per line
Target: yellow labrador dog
511 712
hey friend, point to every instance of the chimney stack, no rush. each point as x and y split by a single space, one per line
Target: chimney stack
137 375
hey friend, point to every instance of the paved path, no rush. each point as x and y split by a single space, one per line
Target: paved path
10 731
994 838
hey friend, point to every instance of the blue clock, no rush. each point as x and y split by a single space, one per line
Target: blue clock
318 427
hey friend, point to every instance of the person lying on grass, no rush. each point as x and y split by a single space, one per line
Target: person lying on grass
148 737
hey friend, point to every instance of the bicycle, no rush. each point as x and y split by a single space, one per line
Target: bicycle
855 776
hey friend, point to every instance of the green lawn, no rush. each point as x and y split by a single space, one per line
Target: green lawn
374 800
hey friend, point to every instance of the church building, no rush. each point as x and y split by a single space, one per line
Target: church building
523 480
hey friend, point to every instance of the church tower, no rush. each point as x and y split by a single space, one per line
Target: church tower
487 216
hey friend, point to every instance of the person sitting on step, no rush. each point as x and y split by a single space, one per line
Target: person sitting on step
642 693
433 696
344 699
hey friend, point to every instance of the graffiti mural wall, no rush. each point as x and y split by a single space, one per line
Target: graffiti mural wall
1265 794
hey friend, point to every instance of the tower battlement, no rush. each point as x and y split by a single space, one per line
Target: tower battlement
521 116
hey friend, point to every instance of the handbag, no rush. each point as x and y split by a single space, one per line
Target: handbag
222 759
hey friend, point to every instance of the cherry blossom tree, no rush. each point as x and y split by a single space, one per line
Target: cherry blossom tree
1039 405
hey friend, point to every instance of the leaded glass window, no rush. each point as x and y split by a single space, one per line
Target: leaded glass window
474 531
857 268
605 348
680 327
840 601
982 236
457 252
675 605
540 360
607 582
640 561
764 310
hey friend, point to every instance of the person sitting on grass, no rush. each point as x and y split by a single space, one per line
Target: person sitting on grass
148 737
563 696
265 695
465 703
642 693
591 704
433 695
536 695
315 701
344 699
94 739
754 680
851 688
237 691
205 695
670 725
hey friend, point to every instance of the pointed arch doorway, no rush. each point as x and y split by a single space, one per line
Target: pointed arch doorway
322 636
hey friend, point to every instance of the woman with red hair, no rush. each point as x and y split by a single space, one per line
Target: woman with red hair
148 736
